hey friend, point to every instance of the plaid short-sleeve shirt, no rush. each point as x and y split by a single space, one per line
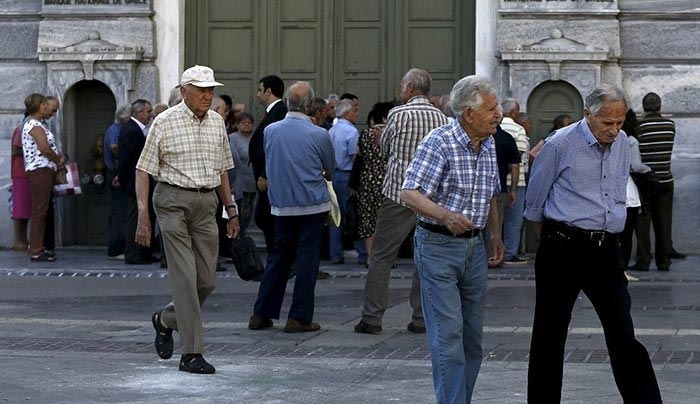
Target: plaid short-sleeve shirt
449 171
183 151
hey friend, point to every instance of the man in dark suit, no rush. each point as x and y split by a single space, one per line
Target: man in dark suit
270 92
131 141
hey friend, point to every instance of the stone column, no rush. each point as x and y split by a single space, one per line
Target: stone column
485 37
170 39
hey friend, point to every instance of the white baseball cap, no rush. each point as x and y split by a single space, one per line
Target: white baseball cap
200 76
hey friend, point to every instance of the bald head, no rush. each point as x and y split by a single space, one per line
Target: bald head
299 96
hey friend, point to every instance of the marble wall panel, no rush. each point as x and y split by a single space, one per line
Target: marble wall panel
25 79
19 39
602 33
657 41
119 31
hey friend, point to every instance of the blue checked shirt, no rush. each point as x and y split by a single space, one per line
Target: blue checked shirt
450 172
574 180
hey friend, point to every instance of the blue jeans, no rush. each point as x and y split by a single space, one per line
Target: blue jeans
453 275
341 179
297 238
512 222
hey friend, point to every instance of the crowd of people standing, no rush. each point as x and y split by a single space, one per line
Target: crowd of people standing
189 179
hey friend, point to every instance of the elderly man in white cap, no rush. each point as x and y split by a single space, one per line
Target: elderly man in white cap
187 153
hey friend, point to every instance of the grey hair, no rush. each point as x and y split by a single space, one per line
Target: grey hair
509 105
467 93
342 107
122 114
138 106
299 102
175 96
605 93
420 79
331 96
216 100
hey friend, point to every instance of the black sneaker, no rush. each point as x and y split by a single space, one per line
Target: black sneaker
195 363
366 328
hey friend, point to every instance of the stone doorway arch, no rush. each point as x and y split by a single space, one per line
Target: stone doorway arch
548 100
88 111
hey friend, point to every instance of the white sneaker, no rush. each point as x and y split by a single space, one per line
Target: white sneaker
630 278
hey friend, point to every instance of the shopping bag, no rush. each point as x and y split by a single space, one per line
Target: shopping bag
334 214
72 185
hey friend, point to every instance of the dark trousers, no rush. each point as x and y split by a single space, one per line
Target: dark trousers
626 237
563 268
264 220
117 217
298 238
657 211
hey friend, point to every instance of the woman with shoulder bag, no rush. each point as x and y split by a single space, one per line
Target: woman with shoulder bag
41 161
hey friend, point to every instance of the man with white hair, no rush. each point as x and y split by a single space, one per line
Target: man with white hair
187 153
449 244
344 137
298 153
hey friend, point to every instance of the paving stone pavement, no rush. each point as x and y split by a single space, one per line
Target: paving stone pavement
78 331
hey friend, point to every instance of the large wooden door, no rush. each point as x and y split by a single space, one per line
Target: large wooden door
357 46
548 100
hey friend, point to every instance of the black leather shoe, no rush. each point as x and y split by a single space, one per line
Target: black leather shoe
664 269
366 328
164 337
195 363
414 328
676 255
637 267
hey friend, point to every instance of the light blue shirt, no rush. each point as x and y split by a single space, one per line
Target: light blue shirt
344 136
577 181
296 154
111 137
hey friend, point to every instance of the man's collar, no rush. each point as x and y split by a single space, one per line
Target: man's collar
297 115
272 104
139 123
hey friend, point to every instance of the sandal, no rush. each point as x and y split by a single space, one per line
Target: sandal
164 337
43 257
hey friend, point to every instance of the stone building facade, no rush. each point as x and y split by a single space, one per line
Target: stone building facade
97 54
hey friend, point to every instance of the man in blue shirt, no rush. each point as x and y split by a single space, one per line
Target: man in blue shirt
576 199
297 155
344 137
452 184
117 202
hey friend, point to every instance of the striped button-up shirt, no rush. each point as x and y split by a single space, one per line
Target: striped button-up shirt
449 171
577 181
521 140
656 135
406 126
183 151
